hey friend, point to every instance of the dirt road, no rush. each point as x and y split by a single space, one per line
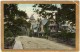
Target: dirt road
39 43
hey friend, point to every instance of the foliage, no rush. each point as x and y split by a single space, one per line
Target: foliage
65 35
66 13
14 19
68 35
44 7
7 33
46 29
8 42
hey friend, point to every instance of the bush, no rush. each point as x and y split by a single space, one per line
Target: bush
8 39
8 42
66 35
8 33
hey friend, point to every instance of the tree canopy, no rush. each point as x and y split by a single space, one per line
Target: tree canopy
14 19
66 12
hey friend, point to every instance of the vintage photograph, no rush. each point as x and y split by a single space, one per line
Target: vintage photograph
40 26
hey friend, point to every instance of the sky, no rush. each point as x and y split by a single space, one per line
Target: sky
28 8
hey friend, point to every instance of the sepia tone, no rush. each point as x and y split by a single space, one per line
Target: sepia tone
77 26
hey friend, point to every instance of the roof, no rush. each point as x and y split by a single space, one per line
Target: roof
44 21
32 17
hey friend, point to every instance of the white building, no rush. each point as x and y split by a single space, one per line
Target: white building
34 23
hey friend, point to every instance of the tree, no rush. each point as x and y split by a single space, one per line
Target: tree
14 19
65 13
42 7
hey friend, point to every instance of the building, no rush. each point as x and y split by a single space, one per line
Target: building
68 27
52 23
34 24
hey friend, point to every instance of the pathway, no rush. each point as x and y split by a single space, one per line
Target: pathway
25 42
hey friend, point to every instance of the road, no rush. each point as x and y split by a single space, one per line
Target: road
39 43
